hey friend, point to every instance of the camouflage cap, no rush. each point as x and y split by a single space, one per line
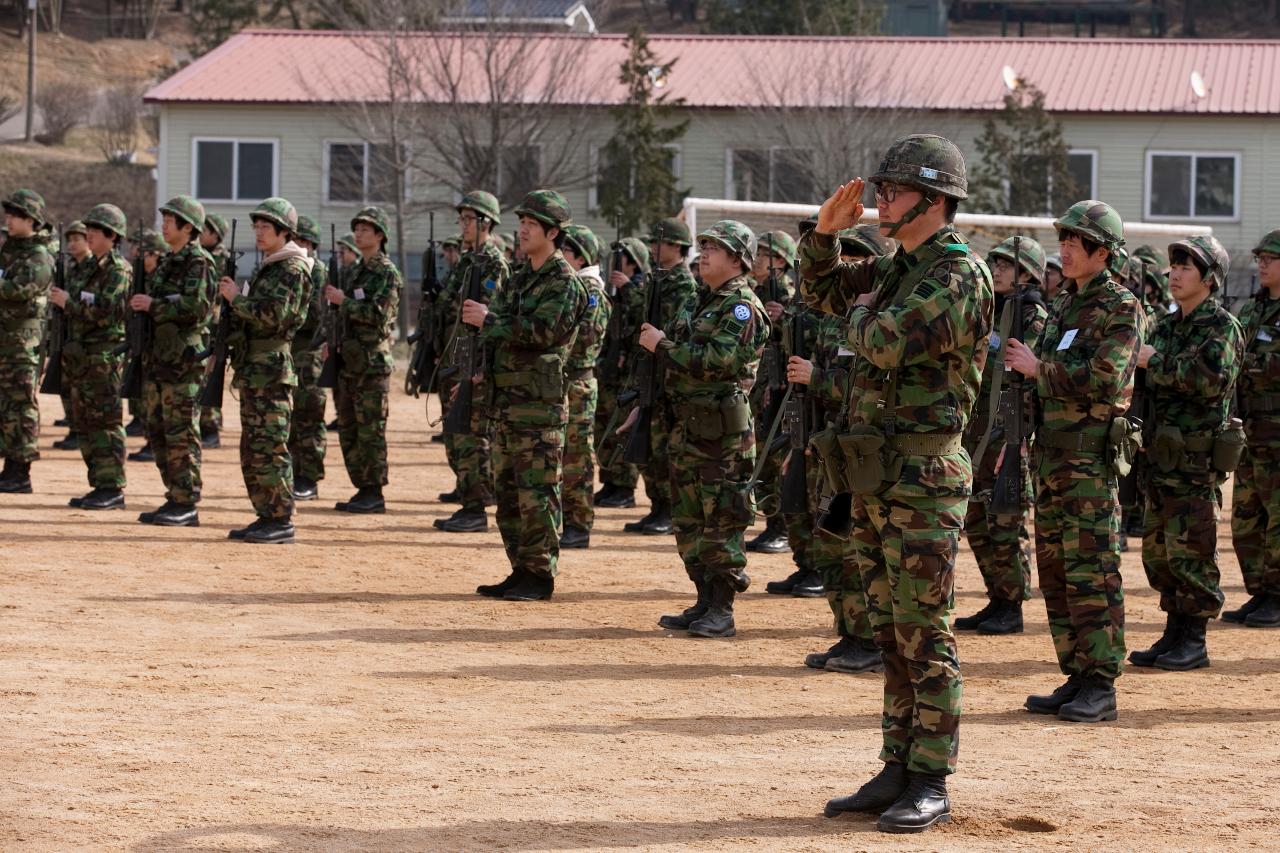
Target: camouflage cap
671 230
866 241
1270 243
108 217
217 223
455 241
27 203
638 251
483 203
1053 262
278 211
152 241
349 240
780 244
927 162
187 209
1153 256
308 230
76 227
1095 220
1210 253
546 206
584 242
374 216
1030 256
734 236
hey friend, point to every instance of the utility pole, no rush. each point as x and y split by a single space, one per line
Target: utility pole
31 70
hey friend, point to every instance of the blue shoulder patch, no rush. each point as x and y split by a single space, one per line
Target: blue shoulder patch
742 311
490 284
592 301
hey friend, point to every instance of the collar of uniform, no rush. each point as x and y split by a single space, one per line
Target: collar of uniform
1202 313
1092 284
907 261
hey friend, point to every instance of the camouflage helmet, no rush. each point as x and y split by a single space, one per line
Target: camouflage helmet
1118 261
349 240
217 223
638 251
548 207
1208 253
1152 255
278 211
1030 256
1053 262
151 241
1096 220
455 241
374 216
107 217
1270 243
671 230
308 230
584 242
76 227
866 240
932 164
186 209
780 244
735 237
27 203
483 203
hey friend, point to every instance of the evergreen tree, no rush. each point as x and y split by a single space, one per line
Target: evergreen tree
1023 168
796 17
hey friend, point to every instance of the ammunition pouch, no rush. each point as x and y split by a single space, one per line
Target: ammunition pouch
872 464
707 419
549 378
173 348
1124 440
1168 449
826 444
1228 447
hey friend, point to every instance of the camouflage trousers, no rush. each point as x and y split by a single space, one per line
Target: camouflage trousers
1180 543
1078 562
838 562
1255 519
906 541
95 415
527 465
471 456
769 488
362 404
656 473
613 469
264 450
308 437
1001 543
19 412
713 503
173 428
800 525
579 455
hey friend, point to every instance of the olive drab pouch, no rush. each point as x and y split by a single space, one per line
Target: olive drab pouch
735 413
826 444
1228 447
1168 448
1124 440
549 375
871 464
702 418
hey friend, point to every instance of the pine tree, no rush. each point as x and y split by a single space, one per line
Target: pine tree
637 184
1024 168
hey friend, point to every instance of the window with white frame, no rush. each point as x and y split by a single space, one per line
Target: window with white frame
1193 185
234 169
1083 165
605 171
361 172
770 174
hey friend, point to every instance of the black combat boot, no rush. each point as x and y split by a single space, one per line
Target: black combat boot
773 540
332 426
923 804
450 497
464 521
875 796
62 421
971 623
150 516
718 620
438 438
818 660
240 532
1095 703
497 590
1189 651
787 584
102 499
305 489
177 515
143 454
7 472
618 498
135 429
1005 619
574 537
659 522
1172 631
272 531
71 442
531 587
210 439
637 526
366 501
603 492
1240 614
864 656
1267 615
1052 703
19 480
809 586
682 621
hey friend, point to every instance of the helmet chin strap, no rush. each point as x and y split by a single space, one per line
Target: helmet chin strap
925 202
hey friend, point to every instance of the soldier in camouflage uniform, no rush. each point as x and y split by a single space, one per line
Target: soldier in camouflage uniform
1052 278
211 237
774 288
92 358
582 250
469 455
153 248
918 325
528 336
1255 499
264 317
307 436
348 254
367 304
80 262
26 271
629 269
1001 542
1149 266
710 355
1192 360
669 244
1083 369
177 300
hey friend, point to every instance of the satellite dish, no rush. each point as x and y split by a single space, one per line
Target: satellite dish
1010 77
1197 85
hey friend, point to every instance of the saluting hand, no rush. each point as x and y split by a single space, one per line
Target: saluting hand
1019 357
650 337
843 209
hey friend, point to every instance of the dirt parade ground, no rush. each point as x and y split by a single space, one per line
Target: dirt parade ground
166 689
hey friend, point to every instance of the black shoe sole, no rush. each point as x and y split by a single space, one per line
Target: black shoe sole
671 626
1001 633
1247 623
808 592
256 541
306 496
448 529
103 507
344 507
161 523
713 635
1105 717
576 546
907 830
656 531
1198 664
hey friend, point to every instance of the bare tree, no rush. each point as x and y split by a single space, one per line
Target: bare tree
51 13
118 141
63 106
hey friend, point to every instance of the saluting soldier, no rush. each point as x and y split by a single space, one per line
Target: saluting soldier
367 306
528 336
92 357
307 436
211 237
80 262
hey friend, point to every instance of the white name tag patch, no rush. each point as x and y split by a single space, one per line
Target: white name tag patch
1265 336
845 352
359 294
1067 339
86 298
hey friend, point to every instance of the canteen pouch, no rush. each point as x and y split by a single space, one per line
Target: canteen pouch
1124 439
1168 448
871 464
1228 447
826 444
702 419
735 413
549 377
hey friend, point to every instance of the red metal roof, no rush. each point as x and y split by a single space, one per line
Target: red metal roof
1076 75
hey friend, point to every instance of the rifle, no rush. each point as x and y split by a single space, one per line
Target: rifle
612 353
56 331
466 353
215 377
639 448
1008 495
422 365
138 329
774 359
333 358
797 420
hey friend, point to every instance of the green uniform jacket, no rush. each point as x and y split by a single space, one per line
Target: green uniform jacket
313 307
26 271
266 315
368 316
1034 315
181 289
96 297
713 347
591 331
1259 389
494 273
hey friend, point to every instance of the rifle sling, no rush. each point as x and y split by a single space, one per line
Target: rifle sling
993 399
